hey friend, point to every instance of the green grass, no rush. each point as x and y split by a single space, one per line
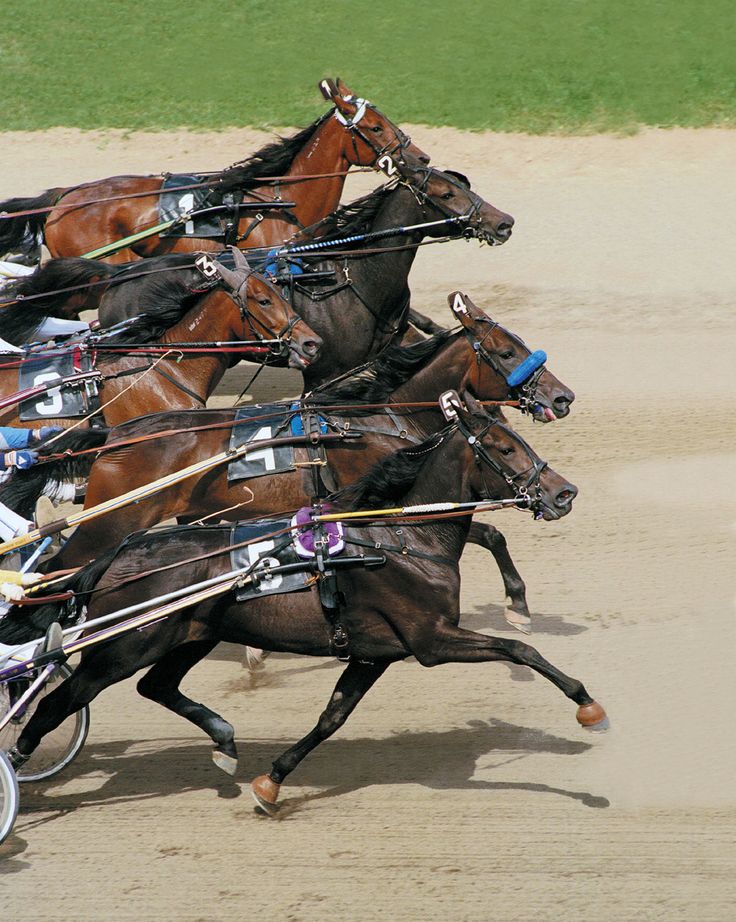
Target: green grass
518 65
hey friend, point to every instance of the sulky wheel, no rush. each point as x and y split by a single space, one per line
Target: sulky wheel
58 748
9 797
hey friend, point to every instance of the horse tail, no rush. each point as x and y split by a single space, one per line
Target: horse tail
24 234
23 489
23 623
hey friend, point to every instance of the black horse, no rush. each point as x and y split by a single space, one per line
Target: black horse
409 606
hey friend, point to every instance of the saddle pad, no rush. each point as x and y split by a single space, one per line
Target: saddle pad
173 204
70 402
261 461
261 553
304 540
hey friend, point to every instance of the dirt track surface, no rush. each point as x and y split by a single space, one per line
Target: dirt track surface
468 792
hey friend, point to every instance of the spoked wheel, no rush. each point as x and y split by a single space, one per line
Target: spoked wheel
57 749
9 797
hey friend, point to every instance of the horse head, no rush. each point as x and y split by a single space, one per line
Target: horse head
447 195
501 354
501 464
266 312
375 139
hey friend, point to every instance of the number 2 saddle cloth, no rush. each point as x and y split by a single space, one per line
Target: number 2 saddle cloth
173 204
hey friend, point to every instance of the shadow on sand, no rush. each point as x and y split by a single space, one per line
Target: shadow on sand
444 760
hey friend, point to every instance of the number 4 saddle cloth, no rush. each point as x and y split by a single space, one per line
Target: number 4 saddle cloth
261 423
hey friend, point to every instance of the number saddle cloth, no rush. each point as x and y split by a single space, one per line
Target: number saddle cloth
296 542
68 401
173 204
272 421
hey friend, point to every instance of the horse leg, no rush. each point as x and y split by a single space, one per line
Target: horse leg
517 610
161 684
353 684
450 644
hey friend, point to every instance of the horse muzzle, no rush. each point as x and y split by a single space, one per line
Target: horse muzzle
303 350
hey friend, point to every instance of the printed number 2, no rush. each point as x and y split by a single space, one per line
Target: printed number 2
53 405
186 203
262 454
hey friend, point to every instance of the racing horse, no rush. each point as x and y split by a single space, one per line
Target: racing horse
368 303
478 358
77 219
409 606
246 308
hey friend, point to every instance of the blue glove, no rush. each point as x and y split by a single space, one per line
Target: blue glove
45 432
21 459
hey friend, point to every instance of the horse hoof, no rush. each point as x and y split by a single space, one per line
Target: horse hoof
254 658
265 792
592 716
222 760
521 622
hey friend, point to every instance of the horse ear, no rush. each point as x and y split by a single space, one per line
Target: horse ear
474 406
345 90
241 261
460 177
328 88
463 308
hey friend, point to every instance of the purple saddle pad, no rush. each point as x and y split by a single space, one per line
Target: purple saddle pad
304 539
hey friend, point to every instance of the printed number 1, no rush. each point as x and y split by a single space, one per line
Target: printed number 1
186 203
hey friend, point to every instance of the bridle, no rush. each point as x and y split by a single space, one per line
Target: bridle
523 380
352 122
239 295
471 218
525 484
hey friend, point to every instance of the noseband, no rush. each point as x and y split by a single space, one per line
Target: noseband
525 484
524 379
471 218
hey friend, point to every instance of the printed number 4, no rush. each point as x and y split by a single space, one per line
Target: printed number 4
263 454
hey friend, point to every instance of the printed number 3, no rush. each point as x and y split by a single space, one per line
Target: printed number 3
53 405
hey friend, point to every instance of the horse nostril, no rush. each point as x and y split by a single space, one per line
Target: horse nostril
311 347
504 228
566 496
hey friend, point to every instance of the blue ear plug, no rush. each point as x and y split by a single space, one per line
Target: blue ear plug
527 368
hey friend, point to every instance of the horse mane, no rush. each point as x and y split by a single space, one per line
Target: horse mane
19 321
372 383
389 479
272 159
356 217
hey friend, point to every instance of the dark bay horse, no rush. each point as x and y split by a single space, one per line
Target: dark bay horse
476 359
247 308
356 316
354 133
409 606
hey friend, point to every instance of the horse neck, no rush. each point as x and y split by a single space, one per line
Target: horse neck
444 477
325 152
212 318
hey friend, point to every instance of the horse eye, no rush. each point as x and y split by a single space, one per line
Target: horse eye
507 450
377 129
264 302
448 195
508 354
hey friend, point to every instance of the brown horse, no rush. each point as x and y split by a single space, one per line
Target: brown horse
409 606
354 133
477 359
250 308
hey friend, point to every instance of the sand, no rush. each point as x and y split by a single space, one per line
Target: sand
469 792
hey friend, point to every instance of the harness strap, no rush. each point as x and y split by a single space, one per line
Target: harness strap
401 549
